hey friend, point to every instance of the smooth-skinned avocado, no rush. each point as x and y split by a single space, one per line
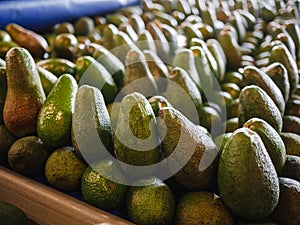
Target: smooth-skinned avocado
55 116
25 95
247 178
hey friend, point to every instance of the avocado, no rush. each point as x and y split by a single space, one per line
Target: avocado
102 185
137 23
210 58
55 116
255 102
135 140
3 89
210 119
138 77
127 28
6 140
288 206
255 76
90 115
109 33
232 88
91 72
111 63
282 55
161 43
234 77
232 124
64 169
181 78
202 208
291 168
278 73
150 202
291 124
158 69
28 156
66 46
191 153
47 78
216 50
247 179
231 49
122 44
293 107
221 140
232 108
157 102
11 214
58 66
190 32
84 26
291 142
145 41
184 58
33 42
271 139
25 95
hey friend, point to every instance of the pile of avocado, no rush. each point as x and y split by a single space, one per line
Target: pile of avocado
173 112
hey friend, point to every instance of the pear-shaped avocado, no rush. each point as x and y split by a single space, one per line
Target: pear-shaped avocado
138 77
91 126
191 153
135 140
278 73
231 49
55 117
271 139
255 76
25 95
247 179
282 55
255 102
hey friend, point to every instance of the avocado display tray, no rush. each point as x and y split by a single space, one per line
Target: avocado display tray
46 205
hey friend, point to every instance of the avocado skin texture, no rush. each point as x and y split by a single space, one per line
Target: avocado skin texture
6 140
291 168
136 129
188 139
25 95
150 204
282 55
98 190
55 117
12 215
287 210
271 139
291 142
3 89
202 208
255 76
291 124
278 73
247 179
255 102
90 113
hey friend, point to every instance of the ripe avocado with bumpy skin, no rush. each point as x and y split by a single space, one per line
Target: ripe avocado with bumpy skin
291 168
25 95
192 145
255 102
271 140
247 179
99 186
150 202
202 208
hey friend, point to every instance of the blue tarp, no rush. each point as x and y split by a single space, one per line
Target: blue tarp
38 15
